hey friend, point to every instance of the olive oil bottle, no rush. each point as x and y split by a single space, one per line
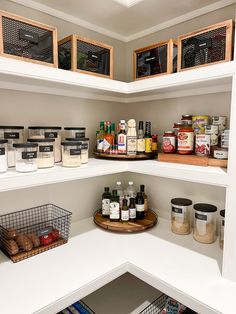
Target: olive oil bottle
114 207
132 209
125 211
139 203
106 199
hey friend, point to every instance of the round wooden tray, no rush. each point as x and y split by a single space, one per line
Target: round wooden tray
124 157
126 227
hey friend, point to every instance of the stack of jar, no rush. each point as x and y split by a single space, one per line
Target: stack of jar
200 135
204 227
124 205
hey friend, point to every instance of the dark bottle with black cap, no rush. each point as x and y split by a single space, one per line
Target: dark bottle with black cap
106 199
139 204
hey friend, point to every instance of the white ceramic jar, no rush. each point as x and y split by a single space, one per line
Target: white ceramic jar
45 152
26 157
71 154
3 155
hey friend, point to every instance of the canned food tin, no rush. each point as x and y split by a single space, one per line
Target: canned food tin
202 145
199 123
213 131
221 153
221 121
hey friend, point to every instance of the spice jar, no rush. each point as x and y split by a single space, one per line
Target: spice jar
45 152
181 215
26 156
74 132
3 155
185 140
169 142
222 228
205 223
71 154
14 134
48 132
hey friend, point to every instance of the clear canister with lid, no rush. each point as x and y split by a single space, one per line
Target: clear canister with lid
71 154
26 156
74 132
181 215
14 134
48 132
45 152
3 155
84 142
222 228
205 223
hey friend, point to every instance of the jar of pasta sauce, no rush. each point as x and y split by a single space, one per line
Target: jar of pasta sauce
185 144
169 142
177 126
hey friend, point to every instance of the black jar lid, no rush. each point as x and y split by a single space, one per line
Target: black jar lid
41 140
222 213
75 128
14 127
181 202
25 145
206 208
69 139
84 139
3 141
44 127
75 143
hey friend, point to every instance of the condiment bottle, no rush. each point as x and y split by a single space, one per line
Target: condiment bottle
169 142
108 140
154 144
139 204
100 137
141 139
125 211
142 190
148 138
106 199
114 207
122 149
131 138
132 209
185 140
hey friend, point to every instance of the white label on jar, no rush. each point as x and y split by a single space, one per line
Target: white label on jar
106 206
124 215
132 213
114 210
185 141
106 145
141 145
169 144
131 145
201 223
139 207
202 145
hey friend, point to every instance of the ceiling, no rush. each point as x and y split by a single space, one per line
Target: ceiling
126 20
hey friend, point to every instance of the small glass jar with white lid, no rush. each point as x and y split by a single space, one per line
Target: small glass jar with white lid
14 134
3 155
45 152
181 215
74 132
48 132
204 223
71 154
222 228
26 157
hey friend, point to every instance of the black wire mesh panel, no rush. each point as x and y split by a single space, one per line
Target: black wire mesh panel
156 306
26 40
29 232
64 54
93 58
204 48
78 308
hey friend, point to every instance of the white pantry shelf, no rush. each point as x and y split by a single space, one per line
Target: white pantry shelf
176 265
13 180
30 77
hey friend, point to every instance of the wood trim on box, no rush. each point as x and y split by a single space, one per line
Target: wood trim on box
228 47
73 53
64 40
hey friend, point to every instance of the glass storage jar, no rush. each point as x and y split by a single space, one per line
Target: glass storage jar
3 155
14 134
45 151
74 132
205 223
84 142
181 215
169 142
48 132
71 154
222 228
26 156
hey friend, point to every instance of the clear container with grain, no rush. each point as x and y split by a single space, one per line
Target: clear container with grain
84 142
205 223
3 155
45 152
181 215
26 156
222 228
71 154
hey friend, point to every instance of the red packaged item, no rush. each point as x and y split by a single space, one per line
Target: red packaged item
55 234
169 142
202 145
46 239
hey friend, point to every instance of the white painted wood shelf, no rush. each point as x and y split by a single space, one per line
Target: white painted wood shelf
13 180
30 77
176 265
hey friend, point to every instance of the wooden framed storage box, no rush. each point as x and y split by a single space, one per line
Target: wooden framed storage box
157 59
86 56
209 45
27 40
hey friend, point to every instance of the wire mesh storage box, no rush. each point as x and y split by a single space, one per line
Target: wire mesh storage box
157 59
86 56
209 45
27 40
32 231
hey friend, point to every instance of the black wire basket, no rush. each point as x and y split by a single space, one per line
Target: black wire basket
29 232
156 306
